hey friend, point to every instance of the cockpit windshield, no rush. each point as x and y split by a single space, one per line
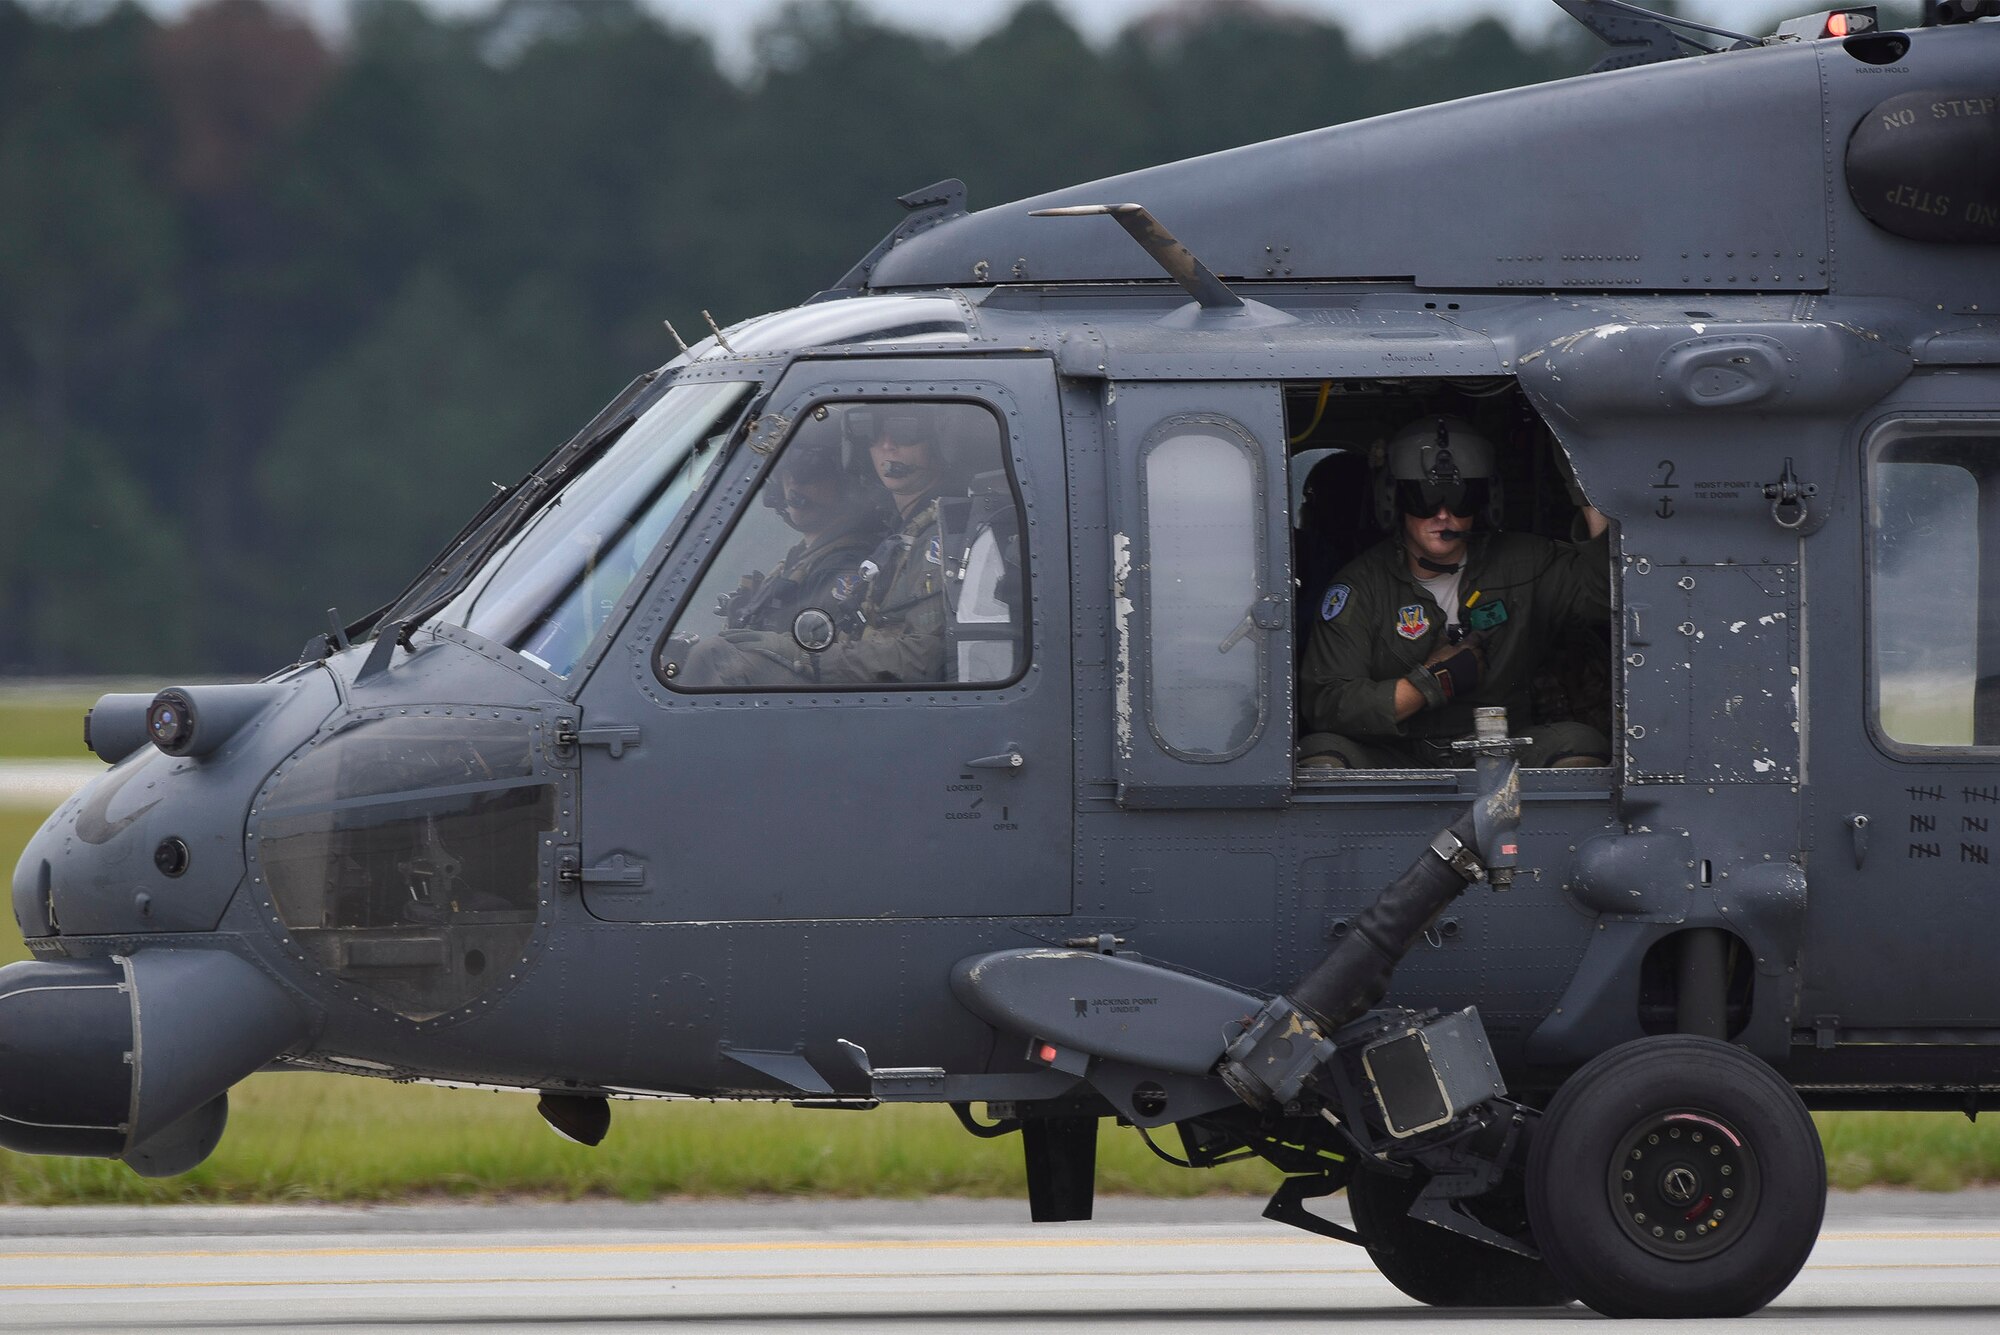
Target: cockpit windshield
549 589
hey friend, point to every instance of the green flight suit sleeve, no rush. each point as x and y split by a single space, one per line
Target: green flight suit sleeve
1341 693
910 651
904 639
1578 583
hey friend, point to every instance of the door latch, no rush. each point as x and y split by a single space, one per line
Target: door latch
614 737
1857 829
620 869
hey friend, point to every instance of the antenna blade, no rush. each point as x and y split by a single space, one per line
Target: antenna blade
1167 252
717 329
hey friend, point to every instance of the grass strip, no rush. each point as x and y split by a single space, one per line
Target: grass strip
310 1137
298 1137
43 727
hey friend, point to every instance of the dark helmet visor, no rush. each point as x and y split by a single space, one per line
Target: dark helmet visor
897 425
1462 497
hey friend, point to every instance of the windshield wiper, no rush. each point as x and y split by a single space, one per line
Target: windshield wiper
519 503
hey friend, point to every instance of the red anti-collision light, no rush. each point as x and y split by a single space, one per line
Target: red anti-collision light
1836 25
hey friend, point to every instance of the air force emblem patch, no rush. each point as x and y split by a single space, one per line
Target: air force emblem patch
1334 603
935 552
845 587
1411 623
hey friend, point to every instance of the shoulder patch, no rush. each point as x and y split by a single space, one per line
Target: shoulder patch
935 552
845 587
1334 603
1412 621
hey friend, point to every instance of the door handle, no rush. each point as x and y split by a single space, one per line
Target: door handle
1635 629
1857 829
1010 759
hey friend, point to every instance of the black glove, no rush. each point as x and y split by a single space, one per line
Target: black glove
1458 674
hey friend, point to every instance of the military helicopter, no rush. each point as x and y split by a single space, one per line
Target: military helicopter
636 792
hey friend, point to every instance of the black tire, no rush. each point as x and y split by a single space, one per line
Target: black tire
1676 1176
1435 1265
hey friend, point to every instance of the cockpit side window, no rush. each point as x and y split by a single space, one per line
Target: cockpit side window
883 547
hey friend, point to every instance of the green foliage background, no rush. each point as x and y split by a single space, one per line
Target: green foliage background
275 311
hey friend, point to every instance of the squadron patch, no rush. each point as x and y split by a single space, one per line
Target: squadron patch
1334 603
1411 623
935 552
845 587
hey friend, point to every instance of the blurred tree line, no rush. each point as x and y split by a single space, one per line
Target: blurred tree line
275 312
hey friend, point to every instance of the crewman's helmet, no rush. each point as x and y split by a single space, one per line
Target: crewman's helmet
1437 461
902 423
807 462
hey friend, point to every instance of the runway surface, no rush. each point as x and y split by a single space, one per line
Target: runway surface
1886 1261
43 783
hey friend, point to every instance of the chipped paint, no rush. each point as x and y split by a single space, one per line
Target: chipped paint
1736 627
1763 766
1771 620
1608 330
1121 611
1699 328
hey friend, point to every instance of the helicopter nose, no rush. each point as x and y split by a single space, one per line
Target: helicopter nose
131 1057
155 843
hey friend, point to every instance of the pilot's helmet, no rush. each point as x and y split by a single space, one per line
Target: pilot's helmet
808 461
1437 461
903 423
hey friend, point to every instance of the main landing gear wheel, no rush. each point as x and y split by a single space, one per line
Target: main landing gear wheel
1435 1265
1676 1177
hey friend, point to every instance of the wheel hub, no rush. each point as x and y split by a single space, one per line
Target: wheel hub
1684 1184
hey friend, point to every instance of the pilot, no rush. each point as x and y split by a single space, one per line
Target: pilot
896 633
837 528
1440 618
902 632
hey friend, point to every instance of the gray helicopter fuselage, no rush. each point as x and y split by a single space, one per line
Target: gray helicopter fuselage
464 859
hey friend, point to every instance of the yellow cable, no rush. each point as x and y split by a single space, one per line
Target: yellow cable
1325 390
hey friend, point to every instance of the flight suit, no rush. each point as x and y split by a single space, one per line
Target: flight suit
902 620
827 576
1375 624
899 638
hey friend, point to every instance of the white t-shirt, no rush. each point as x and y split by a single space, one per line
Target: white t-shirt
1444 588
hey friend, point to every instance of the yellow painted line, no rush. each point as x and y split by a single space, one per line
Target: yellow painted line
817 1277
663 1248
858 1245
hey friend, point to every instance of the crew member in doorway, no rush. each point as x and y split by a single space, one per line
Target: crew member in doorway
1443 617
